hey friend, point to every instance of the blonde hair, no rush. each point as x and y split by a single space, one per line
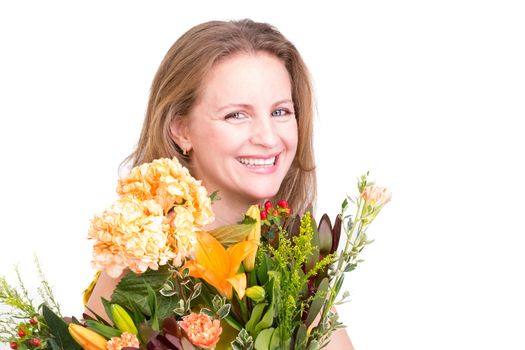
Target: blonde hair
176 85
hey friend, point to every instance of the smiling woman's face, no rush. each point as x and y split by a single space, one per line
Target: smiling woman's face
242 130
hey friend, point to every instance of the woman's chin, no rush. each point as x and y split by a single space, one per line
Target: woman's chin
259 194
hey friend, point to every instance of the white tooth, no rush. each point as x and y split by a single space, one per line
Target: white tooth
257 162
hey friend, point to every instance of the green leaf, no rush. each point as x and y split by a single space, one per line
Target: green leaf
214 196
136 314
314 345
262 342
107 308
344 205
224 311
248 220
98 317
267 319
168 289
196 291
58 328
133 287
317 303
255 317
233 323
236 346
180 309
276 341
50 341
338 284
207 311
154 308
301 338
217 302
105 331
349 267
231 234
263 268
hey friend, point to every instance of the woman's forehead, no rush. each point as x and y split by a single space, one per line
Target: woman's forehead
260 77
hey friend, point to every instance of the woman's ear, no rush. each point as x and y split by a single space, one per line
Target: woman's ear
179 131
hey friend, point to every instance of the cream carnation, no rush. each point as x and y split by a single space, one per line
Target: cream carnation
154 222
130 234
169 184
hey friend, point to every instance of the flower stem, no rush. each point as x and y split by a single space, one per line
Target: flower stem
342 257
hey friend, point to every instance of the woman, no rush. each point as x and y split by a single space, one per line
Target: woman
233 102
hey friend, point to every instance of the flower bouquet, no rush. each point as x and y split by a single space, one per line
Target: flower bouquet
270 281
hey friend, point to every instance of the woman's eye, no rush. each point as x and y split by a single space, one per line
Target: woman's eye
234 116
281 112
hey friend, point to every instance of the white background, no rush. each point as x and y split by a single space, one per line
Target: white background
428 96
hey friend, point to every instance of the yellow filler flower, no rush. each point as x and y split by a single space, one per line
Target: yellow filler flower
218 266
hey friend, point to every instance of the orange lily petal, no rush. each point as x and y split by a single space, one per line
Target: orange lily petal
219 266
226 290
193 267
238 252
210 253
239 284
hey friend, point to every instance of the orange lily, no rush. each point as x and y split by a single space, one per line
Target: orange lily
219 266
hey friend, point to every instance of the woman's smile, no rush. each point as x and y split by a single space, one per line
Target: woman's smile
260 164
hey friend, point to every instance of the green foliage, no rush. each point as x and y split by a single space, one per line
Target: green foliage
318 301
355 227
135 287
58 328
244 341
231 234
214 196
45 291
102 329
288 260
20 308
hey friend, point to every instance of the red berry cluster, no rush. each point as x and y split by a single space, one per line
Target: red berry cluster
281 210
26 332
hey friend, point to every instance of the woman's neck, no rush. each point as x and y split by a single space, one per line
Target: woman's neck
228 211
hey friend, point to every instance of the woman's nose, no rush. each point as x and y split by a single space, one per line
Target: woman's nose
264 133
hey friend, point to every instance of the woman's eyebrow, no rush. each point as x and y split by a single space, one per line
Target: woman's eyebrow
283 101
248 106
237 105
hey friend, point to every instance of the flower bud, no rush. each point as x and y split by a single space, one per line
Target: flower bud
122 319
256 293
255 234
86 338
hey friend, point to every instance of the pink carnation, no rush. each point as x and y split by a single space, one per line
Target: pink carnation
375 195
125 340
201 330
